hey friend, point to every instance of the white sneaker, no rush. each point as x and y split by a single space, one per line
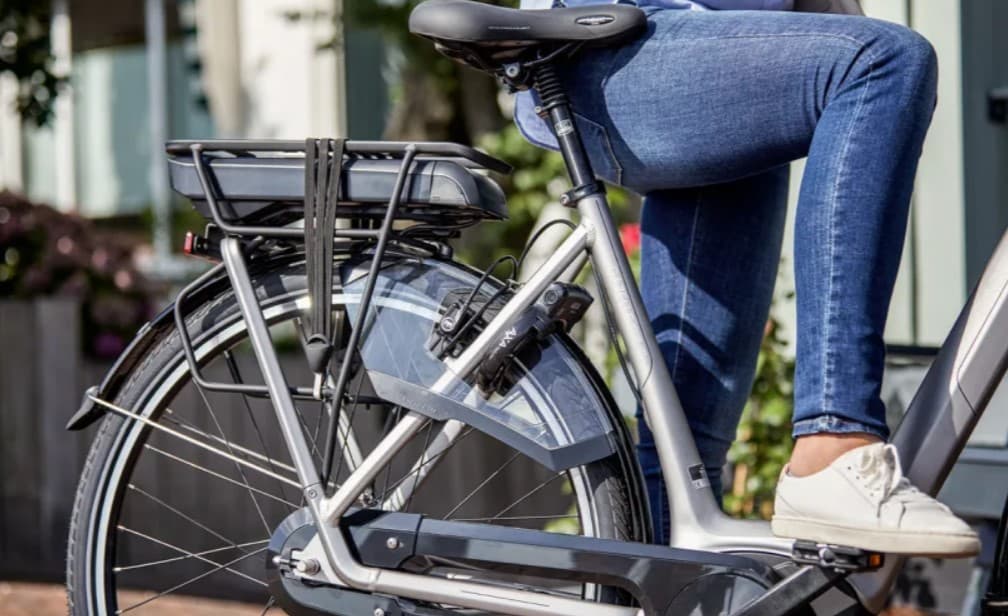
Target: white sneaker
862 500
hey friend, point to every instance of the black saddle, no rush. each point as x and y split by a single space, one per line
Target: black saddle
489 37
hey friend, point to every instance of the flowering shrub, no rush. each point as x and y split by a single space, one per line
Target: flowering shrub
44 252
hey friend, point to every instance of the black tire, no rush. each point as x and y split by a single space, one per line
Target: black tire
611 494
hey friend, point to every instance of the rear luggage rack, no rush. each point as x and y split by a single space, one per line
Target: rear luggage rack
322 190
206 154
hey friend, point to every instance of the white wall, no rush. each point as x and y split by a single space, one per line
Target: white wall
10 136
291 87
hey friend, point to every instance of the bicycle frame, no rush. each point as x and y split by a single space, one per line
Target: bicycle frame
940 419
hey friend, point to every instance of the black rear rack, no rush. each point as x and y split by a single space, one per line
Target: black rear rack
406 152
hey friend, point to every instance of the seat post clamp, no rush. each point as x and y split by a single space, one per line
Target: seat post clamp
572 196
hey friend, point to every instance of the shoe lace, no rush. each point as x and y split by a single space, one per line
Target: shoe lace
883 476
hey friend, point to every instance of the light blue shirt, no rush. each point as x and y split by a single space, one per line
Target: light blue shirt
535 128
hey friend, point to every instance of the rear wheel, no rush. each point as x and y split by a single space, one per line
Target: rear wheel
183 501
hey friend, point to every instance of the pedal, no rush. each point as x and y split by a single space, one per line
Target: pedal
837 557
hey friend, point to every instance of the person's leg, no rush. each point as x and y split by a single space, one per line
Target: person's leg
708 265
710 97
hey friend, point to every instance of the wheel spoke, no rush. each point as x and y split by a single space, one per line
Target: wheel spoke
193 441
465 500
185 424
387 503
337 414
236 376
182 515
165 561
416 481
444 441
526 496
192 580
197 556
218 475
241 471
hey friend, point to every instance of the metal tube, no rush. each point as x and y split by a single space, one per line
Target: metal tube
334 507
276 382
365 304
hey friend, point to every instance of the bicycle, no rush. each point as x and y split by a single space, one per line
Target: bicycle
342 247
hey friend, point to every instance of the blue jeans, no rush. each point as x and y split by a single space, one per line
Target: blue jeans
701 115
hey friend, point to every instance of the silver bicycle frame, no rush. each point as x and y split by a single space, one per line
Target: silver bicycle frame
940 419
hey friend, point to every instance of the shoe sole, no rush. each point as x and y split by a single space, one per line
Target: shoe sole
939 545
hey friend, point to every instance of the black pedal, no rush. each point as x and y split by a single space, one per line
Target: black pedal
559 308
837 557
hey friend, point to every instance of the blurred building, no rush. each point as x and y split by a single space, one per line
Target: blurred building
144 71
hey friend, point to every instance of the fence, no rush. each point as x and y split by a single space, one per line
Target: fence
42 377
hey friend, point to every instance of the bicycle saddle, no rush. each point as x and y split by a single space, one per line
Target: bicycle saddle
487 36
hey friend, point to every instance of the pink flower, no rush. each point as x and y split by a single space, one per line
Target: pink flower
630 237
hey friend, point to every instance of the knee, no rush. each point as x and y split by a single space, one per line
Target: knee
908 61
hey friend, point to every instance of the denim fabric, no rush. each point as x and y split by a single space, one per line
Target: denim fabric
701 115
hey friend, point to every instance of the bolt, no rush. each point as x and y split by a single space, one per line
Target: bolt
312 493
379 612
512 70
391 543
308 566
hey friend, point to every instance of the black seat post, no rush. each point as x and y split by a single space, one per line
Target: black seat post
556 107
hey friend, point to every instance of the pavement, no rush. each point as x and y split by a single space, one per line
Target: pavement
23 599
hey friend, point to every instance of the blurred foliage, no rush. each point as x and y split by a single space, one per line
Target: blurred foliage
539 178
763 443
44 253
25 55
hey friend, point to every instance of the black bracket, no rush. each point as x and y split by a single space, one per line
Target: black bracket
572 196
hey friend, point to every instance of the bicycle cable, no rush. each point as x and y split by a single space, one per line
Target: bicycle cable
606 306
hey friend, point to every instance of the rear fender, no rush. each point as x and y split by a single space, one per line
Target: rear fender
554 413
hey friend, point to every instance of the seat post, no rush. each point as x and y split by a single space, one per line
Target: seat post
556 107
